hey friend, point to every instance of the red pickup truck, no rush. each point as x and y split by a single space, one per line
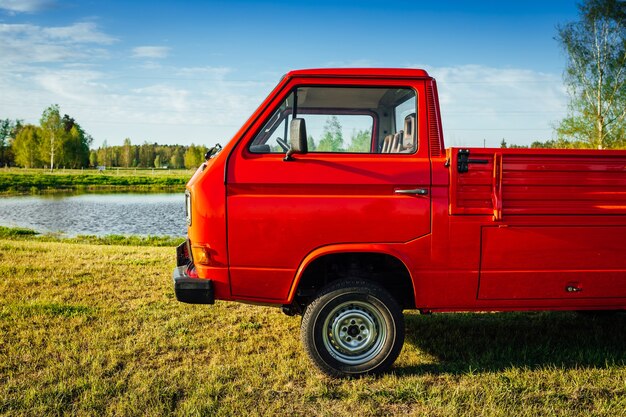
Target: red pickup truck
338 201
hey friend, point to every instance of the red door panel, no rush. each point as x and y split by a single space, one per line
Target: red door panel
280 211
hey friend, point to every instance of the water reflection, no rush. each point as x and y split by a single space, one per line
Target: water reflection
97 214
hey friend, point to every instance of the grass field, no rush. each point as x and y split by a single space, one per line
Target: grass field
21 181
90 330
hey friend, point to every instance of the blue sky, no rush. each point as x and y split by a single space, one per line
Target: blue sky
193 71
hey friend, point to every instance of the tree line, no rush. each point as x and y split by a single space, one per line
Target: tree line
60 142
148 155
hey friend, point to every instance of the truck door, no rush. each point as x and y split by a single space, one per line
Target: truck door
365 178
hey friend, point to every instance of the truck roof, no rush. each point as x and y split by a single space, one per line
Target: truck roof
360 72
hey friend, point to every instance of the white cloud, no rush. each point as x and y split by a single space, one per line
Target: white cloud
165 97
179 109
78 86
83 32
155 52
204 72
28 44
26 6
64 65
482 104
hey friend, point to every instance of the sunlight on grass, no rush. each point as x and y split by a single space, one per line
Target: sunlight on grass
95 330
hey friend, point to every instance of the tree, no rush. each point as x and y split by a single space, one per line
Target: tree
361 141
103 156
93 158
127 153
596 75
68 123
146 155
52 133
26 146
549 144
7 127
332 136
75 146
504 145
194 156
177 160
157 161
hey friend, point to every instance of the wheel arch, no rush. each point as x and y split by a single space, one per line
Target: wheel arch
372 253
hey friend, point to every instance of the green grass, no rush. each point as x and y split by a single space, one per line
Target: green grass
21 181
121 240
16 232
89 330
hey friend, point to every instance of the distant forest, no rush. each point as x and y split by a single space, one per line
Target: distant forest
60 142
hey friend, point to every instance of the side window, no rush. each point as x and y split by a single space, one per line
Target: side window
273 137
403 111
339 132
344 120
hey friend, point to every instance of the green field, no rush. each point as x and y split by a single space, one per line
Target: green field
93 329
21 181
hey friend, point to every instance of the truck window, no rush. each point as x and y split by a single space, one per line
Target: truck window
344 120
403 111
339 132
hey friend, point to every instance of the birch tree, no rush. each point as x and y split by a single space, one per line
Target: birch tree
52 133
595 76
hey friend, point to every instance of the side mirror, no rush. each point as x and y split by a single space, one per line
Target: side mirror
297 138
212 152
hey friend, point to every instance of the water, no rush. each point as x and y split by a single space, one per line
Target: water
97 214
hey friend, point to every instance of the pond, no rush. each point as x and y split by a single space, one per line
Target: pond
97 214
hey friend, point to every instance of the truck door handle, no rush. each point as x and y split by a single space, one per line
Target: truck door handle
418 191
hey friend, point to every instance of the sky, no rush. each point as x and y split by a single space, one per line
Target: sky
183 72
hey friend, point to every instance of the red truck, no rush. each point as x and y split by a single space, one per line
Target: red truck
338 201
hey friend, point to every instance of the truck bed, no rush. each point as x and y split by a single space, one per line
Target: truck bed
515 182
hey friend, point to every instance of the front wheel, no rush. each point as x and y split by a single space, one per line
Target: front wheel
353 328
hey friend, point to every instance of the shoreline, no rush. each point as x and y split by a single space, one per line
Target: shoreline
22 233
15 182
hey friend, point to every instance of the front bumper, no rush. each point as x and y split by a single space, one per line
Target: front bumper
190 290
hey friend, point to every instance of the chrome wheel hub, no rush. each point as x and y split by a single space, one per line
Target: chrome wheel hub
354 332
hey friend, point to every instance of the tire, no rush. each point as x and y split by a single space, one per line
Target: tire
353 328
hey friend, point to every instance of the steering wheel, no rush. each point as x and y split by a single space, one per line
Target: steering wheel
283 144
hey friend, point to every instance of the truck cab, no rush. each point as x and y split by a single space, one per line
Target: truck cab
337 201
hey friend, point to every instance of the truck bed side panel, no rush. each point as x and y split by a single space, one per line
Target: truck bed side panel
546 262
539 182
558 221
